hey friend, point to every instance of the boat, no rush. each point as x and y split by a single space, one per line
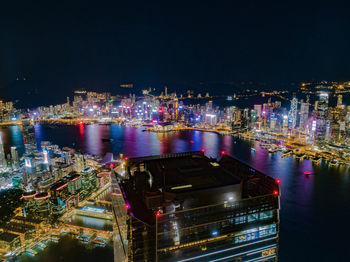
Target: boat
272 150
307 173
287 154
107 139
265 146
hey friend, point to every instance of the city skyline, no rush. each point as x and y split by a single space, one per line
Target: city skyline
174 131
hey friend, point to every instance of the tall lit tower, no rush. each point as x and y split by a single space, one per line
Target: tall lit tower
304 114
2 153
293 112
322 115
340 100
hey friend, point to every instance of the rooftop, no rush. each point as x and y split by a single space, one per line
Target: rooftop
189 173
7 237
176 182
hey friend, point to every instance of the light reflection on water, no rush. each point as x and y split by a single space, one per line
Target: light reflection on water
315 210
91 222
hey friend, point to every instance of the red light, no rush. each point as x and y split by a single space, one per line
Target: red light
127 206
223 152
278 181
158 214
202 150
191 141
111 165
275 192
81 122
126 158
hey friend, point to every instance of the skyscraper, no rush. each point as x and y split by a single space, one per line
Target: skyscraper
190 218
322 114
79 162
2 153
293 112
340 100
304 115
14 153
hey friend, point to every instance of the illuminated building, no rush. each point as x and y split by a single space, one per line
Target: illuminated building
29 202
304 115
65 193
322 115
14 153
79 162
59 193
2 153
9 242
293 112
25 231
74 183
258 110
339 100
210 119
273 122
29 169
66 156
42 203
187 207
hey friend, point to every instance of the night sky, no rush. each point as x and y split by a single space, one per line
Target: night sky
75 44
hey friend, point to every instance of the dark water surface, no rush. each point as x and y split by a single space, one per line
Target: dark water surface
315 211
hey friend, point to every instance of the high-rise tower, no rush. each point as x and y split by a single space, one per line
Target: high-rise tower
322 115
2 152
293 112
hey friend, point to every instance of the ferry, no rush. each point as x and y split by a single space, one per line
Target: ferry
287 154
264 145
307 173
272 150
107 139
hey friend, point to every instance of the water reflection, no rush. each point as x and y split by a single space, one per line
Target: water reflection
310 206
91 222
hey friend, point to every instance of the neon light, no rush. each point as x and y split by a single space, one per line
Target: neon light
246 252
28 196
76 178
61 187
104 173
180 187
224 250
42 198
261 258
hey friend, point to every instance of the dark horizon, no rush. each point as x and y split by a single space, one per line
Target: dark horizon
69 46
